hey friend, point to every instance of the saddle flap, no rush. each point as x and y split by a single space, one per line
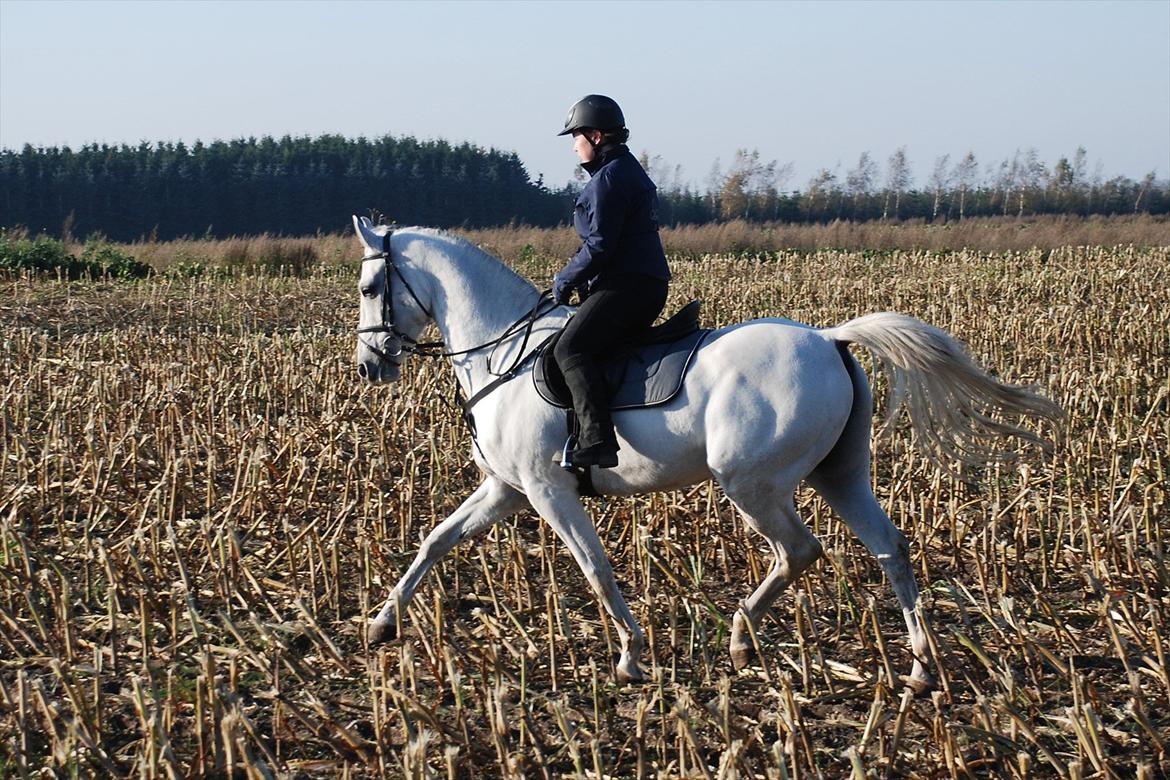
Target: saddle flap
647 373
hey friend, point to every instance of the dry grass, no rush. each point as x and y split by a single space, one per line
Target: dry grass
988 234
200 504
298 256
293 256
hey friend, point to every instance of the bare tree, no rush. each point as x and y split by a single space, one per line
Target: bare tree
750 185
1032 175
940 179
1007 180
1060 183
820 185
966 171
1147 183
1080 179
897 180
734 199
714 183
1079 164
668 179
783 175
650 164
1095 182
860 181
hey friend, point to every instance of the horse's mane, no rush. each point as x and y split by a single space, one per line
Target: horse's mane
462 245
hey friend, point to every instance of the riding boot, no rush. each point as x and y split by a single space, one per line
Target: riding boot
596 444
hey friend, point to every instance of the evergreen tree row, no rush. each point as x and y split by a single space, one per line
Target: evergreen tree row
290 186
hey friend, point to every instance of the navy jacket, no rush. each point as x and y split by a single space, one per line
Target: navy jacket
616 217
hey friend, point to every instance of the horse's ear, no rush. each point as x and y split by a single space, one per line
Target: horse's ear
365 232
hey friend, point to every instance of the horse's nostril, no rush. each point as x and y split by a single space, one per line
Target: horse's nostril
363 372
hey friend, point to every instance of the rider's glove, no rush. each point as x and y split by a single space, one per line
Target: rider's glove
561 290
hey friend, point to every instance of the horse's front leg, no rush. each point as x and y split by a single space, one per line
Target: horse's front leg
562 510
492 501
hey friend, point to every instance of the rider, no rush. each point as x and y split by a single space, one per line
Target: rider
620 271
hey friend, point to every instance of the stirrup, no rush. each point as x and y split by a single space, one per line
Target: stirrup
584 474
570 445
602 455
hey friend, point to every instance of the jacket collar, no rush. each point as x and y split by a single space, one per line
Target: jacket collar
606 154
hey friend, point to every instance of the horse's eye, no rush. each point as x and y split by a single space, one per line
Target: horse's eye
369 290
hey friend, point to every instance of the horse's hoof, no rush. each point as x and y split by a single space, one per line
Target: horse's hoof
921 685
742 657
630 675
381 631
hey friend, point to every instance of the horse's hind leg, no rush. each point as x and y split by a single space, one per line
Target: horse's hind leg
492 501
852 498
795 549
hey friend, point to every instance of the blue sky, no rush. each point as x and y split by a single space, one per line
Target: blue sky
814 84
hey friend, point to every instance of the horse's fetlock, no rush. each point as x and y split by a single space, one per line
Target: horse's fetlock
903 545
803 558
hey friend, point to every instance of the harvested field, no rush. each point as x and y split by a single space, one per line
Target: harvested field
200 504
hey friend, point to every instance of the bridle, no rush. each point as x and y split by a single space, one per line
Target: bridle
435 349
405 343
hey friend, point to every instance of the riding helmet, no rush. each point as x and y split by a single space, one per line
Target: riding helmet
597 112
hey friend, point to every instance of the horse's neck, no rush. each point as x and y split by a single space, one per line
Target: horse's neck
475 298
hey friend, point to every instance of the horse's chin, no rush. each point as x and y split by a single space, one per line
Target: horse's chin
379 372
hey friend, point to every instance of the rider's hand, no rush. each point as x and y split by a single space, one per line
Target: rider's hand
561 290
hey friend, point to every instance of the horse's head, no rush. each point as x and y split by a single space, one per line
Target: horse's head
390 318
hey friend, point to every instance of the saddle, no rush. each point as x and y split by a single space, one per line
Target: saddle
646 372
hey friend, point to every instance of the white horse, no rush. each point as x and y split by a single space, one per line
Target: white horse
766 404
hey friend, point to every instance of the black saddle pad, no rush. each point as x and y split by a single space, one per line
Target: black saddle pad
646 374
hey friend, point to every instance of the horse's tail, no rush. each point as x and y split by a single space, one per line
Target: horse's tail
948 396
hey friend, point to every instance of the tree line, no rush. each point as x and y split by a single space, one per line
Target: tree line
290 186
1024 185
302 186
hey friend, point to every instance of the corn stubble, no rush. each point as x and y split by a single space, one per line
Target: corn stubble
201 504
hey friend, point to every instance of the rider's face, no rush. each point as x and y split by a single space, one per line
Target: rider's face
584 149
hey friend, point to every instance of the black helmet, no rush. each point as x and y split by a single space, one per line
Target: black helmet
594 111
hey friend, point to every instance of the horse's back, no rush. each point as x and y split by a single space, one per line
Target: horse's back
773 349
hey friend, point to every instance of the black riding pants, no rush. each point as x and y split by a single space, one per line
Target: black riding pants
617 310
